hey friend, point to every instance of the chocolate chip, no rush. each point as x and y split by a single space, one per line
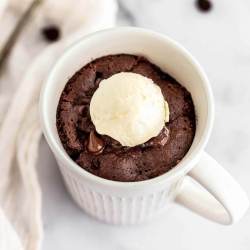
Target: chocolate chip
51 33
158 141
95 144
203 5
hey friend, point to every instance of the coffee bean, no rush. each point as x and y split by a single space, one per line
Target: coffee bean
51 33
204 5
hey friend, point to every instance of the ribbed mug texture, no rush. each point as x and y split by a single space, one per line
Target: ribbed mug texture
113 208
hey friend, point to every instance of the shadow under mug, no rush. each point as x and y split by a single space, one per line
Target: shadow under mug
198 182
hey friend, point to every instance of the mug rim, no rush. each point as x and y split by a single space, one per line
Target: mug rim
183 166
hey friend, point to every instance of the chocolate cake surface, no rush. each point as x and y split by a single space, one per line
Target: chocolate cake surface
105 157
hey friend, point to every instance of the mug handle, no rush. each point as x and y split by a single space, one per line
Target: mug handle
210 191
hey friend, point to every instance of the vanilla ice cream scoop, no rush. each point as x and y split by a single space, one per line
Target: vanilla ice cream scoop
129 107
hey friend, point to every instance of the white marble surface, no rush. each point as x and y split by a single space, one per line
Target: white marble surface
220 40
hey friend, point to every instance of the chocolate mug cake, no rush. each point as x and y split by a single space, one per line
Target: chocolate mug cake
107 157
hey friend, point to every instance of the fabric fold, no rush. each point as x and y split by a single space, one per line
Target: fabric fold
20 132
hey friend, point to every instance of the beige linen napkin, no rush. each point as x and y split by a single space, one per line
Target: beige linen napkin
20 83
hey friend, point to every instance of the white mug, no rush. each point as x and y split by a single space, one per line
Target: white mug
198 182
